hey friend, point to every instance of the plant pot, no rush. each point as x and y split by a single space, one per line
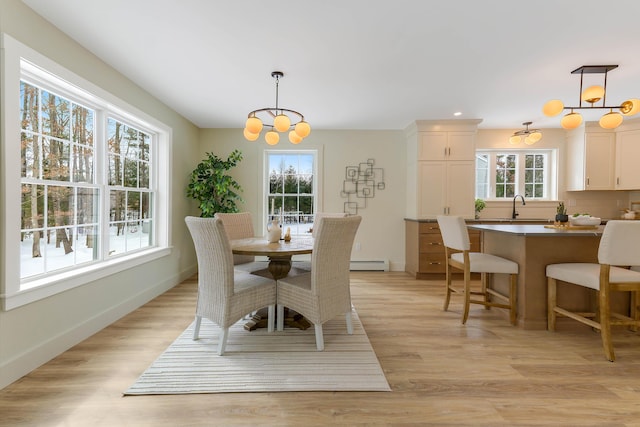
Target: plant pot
562 218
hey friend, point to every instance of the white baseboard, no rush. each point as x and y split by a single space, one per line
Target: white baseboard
27 361
370 265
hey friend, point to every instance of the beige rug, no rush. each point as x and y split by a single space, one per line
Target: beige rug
257 361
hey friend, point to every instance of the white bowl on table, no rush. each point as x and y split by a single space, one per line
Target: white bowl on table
584 220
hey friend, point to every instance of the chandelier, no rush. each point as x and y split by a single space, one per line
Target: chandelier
530 136
281 122
591 95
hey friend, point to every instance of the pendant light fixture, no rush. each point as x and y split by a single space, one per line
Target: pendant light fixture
529 136
592 95
281 121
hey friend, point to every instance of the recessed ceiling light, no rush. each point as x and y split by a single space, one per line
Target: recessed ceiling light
457 113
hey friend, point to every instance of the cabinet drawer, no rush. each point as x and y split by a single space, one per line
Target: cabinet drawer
429 227
431 242
474 238
432 263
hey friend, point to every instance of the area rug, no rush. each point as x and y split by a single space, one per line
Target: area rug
257 361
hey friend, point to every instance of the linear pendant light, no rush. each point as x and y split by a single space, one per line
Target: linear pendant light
592 95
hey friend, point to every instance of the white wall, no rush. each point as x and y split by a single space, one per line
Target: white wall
381 233
33 334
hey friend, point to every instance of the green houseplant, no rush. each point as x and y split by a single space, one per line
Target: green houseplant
212 186
561 213
480 205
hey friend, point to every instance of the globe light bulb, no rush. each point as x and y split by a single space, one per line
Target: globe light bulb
253 125
272 137
294 138
571 120
553 108
281 123
610 120
249 136
515 139
535 137
592 94
630 107
303 129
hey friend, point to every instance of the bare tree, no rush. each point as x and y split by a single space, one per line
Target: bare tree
29 115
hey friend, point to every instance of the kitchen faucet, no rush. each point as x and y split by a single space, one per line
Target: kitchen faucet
514 214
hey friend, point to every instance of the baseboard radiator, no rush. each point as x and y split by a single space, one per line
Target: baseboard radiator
371 265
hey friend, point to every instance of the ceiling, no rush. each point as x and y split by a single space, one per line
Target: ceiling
361 64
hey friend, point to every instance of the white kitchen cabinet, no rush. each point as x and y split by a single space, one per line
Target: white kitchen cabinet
628 160
446 188
590 160
441 168
447 146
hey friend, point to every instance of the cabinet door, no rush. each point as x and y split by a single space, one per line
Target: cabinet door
627 159
447 146
461 146
446 188
432 146
460 189
431 188
599 161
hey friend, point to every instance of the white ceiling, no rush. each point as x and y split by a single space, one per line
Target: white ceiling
361 64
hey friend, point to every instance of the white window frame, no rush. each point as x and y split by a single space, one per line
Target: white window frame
550 173
19 61
317 163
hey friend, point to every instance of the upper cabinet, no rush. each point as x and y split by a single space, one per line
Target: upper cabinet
446 146
627 158
590 159
441 168
600 159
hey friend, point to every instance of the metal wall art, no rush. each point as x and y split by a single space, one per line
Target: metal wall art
360 183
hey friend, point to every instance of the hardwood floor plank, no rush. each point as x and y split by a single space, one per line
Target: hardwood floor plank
486 373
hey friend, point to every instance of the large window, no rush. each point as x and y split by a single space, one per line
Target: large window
503 174
62 225
292 188
82 198
59 211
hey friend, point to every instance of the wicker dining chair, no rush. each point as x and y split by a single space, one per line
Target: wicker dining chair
323 293
240 226
618 249
304 264
457 245
225 295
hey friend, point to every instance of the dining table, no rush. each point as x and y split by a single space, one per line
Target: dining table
279 255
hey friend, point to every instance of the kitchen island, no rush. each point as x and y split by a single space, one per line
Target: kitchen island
533 247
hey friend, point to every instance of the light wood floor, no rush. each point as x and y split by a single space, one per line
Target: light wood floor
486 373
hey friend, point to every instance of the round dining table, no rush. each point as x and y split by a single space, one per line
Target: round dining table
279 253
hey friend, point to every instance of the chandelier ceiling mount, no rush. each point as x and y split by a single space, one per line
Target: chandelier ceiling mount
529 136
280 121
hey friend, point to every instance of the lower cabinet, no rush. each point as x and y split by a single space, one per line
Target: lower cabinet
424 252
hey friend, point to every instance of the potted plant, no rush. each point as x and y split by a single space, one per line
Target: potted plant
213 188
480 205
561 213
